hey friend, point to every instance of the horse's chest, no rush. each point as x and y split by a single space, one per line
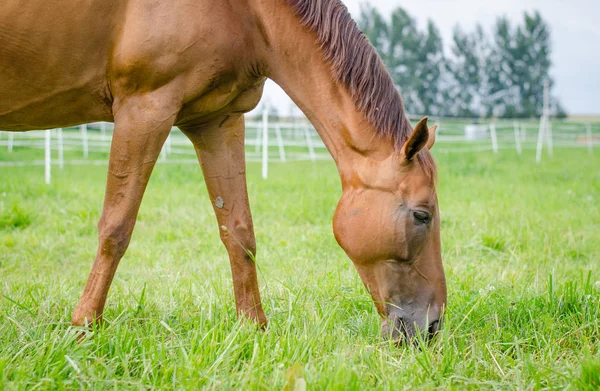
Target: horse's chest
232 97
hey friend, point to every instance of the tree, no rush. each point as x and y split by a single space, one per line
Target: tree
375 27
518 65
431 66
413 58
498 76
534 45
468 87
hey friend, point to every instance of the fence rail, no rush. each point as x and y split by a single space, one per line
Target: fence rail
290 140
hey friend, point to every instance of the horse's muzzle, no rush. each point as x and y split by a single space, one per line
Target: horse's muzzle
405 329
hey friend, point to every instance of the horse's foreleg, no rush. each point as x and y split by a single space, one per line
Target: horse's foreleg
141 127
221 154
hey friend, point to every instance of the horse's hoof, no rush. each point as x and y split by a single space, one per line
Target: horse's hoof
81 318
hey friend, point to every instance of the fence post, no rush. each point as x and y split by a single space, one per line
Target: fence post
265 143
84 140
309 143
48 157
544 130
280 142
549 137
590 140
103 128
11 141
61 156
494 137
540 141
258 139
517 138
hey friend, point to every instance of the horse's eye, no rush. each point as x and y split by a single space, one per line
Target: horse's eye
422 217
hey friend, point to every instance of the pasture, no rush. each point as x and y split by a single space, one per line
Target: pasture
521 248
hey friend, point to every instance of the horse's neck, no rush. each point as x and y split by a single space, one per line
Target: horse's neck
298 65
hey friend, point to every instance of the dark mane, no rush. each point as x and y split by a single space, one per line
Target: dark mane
356 64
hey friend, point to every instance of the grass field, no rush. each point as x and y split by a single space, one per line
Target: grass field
521 247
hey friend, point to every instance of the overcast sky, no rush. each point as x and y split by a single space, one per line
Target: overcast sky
575 29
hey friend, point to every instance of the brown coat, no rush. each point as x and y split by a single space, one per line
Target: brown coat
149 64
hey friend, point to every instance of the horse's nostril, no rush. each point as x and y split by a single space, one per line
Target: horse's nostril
434 327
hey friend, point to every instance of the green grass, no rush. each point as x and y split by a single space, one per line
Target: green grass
521 247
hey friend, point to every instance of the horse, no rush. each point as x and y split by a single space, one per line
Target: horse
149 65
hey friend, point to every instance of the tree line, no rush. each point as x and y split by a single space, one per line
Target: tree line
481 75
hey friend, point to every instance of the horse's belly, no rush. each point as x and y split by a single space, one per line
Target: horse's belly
53 60
57 109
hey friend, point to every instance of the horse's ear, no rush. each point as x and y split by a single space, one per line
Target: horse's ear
417 140
431 139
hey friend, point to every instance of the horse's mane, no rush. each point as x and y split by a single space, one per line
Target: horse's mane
359 68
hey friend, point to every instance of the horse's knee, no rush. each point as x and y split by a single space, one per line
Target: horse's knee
113 238
239 235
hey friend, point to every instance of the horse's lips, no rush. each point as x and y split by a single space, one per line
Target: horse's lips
402 332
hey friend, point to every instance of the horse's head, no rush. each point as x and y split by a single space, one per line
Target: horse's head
388 223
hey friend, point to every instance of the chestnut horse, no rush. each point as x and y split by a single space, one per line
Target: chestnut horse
148 65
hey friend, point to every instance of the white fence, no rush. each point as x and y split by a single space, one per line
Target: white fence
289 140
